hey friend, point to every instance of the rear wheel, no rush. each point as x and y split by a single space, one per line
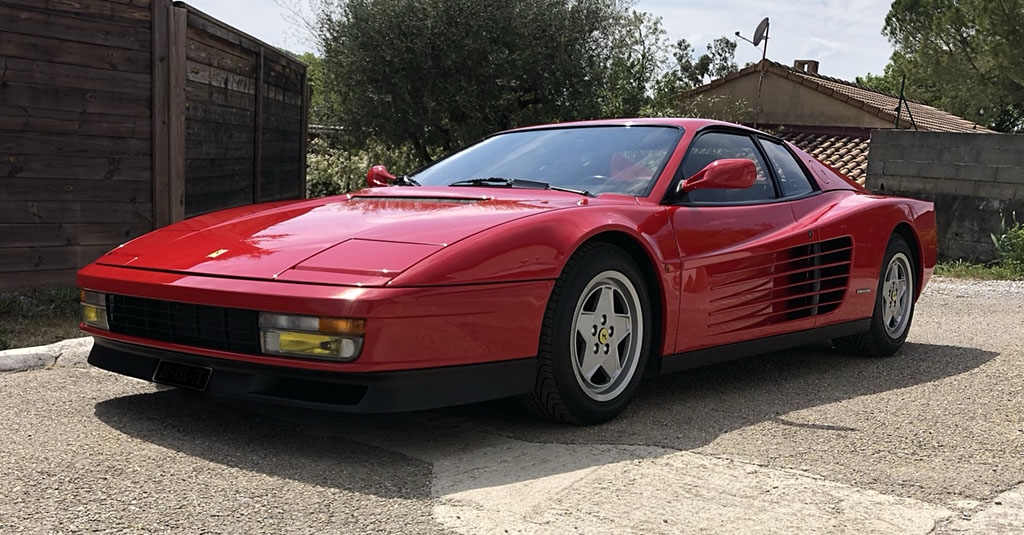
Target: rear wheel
894 306
595 338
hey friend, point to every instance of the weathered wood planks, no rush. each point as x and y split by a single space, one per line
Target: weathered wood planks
117 116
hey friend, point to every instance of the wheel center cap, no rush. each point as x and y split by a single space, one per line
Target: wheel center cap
603 336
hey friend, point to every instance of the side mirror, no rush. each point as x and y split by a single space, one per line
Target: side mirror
378 177
728 173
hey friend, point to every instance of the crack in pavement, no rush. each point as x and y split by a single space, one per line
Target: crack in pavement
484 482
1003 513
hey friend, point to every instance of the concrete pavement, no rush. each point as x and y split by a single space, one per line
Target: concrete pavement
808 441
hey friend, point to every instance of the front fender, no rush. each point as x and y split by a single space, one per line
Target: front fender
537 248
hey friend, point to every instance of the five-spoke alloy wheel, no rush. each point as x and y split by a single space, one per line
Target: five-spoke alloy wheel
595 339
608 326
894 305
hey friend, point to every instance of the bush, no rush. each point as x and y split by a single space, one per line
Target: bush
333 171
1010 244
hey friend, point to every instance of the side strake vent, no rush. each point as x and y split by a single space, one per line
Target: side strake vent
782 286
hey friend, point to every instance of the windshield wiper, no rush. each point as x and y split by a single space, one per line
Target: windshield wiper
502 182
404 180
583 192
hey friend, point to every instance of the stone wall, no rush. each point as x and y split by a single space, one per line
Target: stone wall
973 179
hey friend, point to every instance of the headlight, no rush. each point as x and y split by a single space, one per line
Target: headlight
94 310
311 337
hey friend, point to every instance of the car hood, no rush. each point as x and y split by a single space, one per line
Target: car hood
366 238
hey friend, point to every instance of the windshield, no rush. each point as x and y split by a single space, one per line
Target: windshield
597 159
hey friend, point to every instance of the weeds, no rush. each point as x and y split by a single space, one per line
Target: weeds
38 316
962 269
1010 243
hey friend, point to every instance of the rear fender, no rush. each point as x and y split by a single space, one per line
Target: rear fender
870 221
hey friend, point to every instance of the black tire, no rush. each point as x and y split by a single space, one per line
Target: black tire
564 391
884 338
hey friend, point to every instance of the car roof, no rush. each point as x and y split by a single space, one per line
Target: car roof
678 122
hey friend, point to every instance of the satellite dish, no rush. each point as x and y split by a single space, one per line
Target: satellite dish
761 33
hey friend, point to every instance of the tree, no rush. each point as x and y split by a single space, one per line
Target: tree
440 73
689 72
323 104
638 56
887 82
962 56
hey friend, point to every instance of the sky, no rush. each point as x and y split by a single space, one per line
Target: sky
844 35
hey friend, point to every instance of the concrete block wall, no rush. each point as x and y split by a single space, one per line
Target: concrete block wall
973 179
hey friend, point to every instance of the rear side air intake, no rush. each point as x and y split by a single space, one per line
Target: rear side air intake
786 285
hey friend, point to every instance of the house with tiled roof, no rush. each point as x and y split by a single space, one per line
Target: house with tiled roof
830 118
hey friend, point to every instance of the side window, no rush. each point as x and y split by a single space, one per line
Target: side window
719 145
792 178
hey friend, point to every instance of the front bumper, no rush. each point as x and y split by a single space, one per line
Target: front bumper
406 328
365 392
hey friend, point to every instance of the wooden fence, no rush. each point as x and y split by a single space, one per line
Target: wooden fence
119 116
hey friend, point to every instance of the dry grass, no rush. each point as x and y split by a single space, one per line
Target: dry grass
38 317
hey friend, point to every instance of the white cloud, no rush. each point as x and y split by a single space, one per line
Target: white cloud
844 36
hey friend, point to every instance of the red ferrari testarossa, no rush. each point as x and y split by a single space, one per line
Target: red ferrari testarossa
557 263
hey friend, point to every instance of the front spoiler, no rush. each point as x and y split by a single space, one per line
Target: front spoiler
367 392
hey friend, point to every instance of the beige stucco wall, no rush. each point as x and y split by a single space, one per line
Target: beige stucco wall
784 101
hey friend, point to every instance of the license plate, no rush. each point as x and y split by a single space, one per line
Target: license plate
181 375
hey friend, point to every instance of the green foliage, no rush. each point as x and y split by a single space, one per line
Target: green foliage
333 171
435 75
962 56
438 74
718 107
690 71
1009 243
429 76
323 104
962 269
637 57
887 82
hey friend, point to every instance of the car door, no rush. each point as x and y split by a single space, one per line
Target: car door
742 254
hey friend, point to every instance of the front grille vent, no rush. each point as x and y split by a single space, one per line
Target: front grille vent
208 327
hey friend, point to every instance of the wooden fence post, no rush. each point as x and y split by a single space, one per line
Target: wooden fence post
161 199
178 36
257 166
304 133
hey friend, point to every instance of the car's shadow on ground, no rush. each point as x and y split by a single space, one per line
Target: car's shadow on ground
688 410
682 411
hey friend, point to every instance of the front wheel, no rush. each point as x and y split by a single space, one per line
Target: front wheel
894 306
595 339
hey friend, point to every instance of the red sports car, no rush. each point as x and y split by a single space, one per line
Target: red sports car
559 263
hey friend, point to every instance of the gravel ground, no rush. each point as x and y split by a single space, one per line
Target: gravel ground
900 445
88 451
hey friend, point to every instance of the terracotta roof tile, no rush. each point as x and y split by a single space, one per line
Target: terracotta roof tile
875 102
848 154
926 117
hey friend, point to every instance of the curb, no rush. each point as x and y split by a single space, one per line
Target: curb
65 354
